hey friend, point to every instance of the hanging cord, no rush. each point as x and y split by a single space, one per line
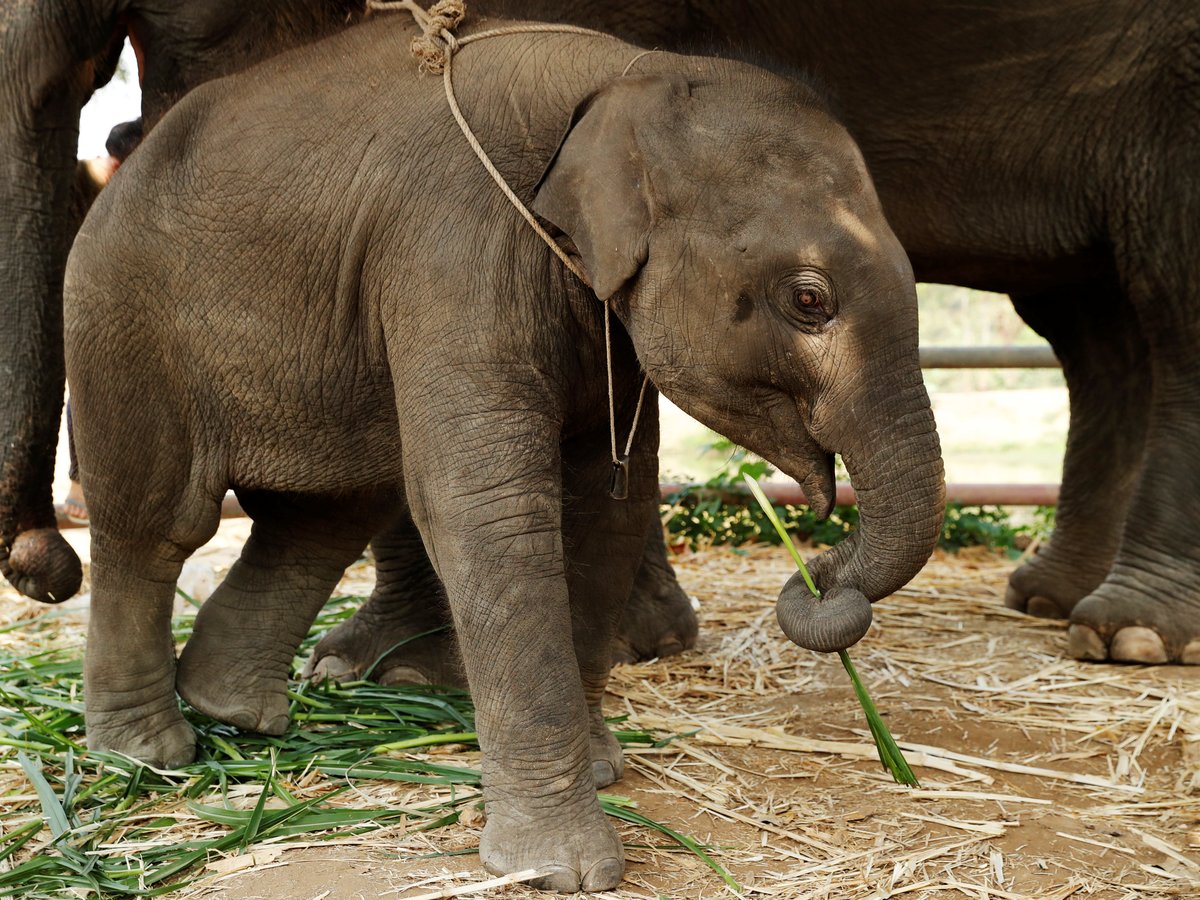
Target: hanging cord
435 50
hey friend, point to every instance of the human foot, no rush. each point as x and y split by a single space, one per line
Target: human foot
73 507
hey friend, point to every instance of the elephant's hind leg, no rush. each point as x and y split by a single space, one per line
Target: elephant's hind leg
1094 331
235 666
402 634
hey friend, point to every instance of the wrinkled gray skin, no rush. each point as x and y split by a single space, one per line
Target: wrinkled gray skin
411 343
1035 148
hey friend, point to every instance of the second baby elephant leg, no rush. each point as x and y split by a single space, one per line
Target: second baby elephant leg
236 665
402 634
603 540
388 640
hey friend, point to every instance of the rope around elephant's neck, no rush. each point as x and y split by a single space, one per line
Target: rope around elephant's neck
435 50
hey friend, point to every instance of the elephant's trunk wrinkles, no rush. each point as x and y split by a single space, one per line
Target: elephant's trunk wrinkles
896 469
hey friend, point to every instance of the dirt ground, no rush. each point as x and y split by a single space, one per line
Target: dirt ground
1040 777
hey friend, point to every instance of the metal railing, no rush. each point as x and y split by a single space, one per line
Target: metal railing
1037 356
967 494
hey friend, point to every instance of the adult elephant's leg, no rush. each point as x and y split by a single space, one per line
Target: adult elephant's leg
1148 608
605 539
235 666
659 619
495 538
402 634
1094 331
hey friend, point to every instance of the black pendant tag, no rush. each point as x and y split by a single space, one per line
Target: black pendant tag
618 487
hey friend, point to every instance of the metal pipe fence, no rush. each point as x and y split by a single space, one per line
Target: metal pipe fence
967 494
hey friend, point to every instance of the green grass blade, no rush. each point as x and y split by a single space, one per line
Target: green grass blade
769 510
629 815
56 816
889 753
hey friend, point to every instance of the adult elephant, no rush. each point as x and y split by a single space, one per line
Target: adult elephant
1036 148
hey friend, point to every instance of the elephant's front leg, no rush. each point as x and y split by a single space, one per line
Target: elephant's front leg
494 534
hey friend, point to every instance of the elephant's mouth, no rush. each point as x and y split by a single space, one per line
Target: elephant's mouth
801 457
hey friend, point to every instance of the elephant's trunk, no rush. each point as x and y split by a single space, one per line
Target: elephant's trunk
895 465
37 175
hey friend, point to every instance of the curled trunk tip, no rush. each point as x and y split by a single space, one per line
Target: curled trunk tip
836 620
42 565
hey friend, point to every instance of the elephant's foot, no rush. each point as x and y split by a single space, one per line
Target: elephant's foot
575 853
160 738
245 700
233 687
1049 585
396 649
1119 624
608 763
658 620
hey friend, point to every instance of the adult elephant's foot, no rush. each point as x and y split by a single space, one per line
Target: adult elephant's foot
157 736
391 643
1050 584
574 854
1121 624
658 620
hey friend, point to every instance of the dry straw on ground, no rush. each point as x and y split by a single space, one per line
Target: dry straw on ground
1041 777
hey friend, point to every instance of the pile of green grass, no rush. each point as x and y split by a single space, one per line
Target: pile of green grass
101 822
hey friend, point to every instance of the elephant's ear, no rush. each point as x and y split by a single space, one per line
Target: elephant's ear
595 189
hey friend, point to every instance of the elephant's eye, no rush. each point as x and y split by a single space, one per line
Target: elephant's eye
808 296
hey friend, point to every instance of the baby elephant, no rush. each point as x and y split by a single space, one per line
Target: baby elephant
372 327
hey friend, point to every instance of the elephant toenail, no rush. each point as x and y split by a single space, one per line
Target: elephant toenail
603 772
556 878
1138 644
1084 643
332 668
403 675
604 875
276 726
670 648
1014 599
1044 608
1191 654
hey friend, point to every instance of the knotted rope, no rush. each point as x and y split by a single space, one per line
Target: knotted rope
434 50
